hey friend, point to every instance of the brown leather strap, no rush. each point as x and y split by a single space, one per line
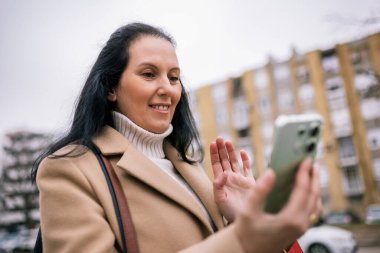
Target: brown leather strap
128 227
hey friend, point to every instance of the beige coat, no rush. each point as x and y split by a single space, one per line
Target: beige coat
77 214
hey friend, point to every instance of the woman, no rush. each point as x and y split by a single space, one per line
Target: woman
134 108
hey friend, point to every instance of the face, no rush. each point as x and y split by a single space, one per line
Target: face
149 88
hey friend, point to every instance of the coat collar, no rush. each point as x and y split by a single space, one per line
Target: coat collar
111 142
198 180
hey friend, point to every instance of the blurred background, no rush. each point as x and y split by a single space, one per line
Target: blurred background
243 63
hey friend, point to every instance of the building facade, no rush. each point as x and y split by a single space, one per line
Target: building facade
340 83
19 205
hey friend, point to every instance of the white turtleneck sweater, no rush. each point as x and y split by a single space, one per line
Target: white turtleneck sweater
151 145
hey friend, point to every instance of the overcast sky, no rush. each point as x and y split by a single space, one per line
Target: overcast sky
48 47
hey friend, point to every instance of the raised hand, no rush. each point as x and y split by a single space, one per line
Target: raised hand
263 232
231 183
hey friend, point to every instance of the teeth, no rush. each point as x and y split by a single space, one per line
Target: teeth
161 107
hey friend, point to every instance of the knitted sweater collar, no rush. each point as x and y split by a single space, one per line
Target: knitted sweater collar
150 144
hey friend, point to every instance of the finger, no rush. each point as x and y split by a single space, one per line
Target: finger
315 190
220 181
246 166
261 189
232 155
215 161
300 194
223 156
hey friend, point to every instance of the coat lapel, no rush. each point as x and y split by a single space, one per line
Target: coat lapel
196 177
111 142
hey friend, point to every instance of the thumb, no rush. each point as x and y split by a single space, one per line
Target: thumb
263 187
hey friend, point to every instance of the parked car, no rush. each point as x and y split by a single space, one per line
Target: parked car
373 214
345 217
328 239
20 241
27 241
8 242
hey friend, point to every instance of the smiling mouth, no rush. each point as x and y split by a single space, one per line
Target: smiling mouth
160 107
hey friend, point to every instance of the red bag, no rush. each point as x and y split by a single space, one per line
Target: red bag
295 248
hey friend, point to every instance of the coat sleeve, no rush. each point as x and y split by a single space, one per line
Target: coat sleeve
224 241
72 220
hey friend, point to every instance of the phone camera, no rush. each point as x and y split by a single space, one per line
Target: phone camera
310 146
314 130
301 130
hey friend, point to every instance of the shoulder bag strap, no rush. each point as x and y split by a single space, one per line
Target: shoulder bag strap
38 247
123 215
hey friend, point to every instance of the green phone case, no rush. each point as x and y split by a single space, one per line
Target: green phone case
296 138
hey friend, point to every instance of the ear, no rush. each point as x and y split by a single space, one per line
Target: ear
111 95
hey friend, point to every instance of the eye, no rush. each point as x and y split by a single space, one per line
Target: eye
148 74
174 79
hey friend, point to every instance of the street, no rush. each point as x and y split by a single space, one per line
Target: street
369 250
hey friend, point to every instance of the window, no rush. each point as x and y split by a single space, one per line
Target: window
373 137
225 135
320 150
267 130
245 144
356 57
346 147
352 182
370 108
338 103
221 117
341 120
14 202
244 136
303 74
219 92
360 57
285 100
193 102
376 168
237 87
242 117
306 95
364 81
306 92
281 72
335 93
261 79
323 176
264 107
330 63
335 83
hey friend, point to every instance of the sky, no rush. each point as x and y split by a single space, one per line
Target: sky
48 47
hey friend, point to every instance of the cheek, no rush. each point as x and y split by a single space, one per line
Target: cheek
177 95
125 102
130 96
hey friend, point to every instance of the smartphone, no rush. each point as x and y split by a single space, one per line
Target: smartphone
295 138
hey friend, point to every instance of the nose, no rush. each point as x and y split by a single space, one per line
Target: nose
165 87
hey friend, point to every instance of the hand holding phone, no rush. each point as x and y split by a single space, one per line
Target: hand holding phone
295 139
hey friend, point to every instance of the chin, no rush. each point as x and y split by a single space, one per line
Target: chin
159 129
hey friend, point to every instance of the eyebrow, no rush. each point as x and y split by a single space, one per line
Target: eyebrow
154 66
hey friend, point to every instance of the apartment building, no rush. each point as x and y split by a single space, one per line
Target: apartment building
18 195
340 83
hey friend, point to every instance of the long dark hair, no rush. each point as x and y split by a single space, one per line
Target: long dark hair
93 110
